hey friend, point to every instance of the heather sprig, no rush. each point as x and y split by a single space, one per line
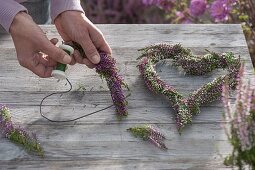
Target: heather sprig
193 65
107 70
240 127
17 134
149 133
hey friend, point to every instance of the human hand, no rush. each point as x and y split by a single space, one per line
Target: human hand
75 26
34 51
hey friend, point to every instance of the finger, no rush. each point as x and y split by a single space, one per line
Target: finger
103 46
45 60
62 33
88 63
38 68
54 41
69 43
73 61
89 48
54 52
77 56
42 70
81 60
99 40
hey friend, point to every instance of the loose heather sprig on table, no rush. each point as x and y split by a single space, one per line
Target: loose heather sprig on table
107 70
149 133
18 135
193 65
240 127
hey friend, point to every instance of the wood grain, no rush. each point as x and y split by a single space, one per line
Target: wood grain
101 141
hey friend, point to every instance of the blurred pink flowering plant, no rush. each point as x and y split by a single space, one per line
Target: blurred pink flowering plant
211 11
240 127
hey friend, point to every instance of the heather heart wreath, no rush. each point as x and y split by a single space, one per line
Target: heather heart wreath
193 65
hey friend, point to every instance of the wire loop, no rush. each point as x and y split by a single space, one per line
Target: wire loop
68 120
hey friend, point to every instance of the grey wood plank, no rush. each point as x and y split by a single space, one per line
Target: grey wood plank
90 99
109 164
123 54
161 114
101 141
142 35
91 81
204 144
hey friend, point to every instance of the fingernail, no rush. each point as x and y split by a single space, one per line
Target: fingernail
67 59
95 59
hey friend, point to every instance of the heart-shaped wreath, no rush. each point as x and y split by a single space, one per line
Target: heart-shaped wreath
193 65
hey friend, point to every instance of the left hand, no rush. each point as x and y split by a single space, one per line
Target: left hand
75 26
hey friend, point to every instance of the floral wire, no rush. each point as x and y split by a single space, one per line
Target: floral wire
70 120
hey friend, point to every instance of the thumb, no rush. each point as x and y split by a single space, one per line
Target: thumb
55 53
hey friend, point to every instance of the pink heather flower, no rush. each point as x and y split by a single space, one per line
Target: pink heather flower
107 68
197 7
179 14
164 4
150 2
181 17
220 9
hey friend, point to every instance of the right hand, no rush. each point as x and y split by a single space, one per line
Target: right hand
75 26
34 50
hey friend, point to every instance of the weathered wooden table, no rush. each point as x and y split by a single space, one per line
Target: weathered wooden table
101 141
